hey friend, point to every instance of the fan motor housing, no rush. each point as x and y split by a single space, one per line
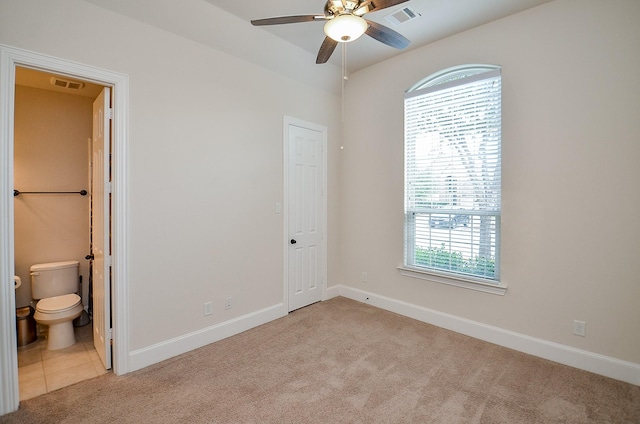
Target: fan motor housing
337 7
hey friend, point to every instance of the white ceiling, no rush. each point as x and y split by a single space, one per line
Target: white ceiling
291 49
439 19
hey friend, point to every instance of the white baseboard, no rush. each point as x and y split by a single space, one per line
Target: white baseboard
150 355
333 291
599 364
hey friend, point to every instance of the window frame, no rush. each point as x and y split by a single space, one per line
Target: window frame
442 80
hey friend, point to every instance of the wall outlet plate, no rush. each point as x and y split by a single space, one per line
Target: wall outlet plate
579 328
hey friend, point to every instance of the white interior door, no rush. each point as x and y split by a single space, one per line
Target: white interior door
306 214
100 242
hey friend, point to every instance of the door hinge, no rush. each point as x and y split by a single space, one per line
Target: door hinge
107 187
109 336
109 113
108 260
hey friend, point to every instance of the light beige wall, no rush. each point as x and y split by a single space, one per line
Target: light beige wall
205 160
570 228
50 154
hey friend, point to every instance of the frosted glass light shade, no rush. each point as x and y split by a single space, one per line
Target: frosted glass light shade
345 28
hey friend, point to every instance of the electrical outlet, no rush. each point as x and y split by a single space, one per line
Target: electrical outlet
579 328
365 277
208 308
227 303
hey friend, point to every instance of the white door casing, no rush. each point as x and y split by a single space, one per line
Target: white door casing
100 242
305 181
10 58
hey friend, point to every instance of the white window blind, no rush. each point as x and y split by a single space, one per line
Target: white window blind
453 174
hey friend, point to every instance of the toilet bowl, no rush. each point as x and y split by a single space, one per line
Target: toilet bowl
54 286
58 313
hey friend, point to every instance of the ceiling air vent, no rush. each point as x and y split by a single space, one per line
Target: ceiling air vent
402 16
62 83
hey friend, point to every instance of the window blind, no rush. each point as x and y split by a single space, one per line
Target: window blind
453 175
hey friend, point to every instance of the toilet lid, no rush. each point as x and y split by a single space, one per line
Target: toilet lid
58 303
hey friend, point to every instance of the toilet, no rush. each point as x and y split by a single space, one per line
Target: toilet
54 286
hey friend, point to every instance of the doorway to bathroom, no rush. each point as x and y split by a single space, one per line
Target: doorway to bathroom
12 60
61 211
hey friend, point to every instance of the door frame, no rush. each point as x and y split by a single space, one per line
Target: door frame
288 122
10 58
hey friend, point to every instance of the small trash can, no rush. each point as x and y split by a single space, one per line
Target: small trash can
26 326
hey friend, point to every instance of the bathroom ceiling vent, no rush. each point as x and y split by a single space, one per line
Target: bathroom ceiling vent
62 83
402 16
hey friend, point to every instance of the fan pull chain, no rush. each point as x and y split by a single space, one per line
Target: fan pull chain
344 80
345 77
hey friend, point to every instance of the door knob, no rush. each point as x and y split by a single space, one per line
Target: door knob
293 241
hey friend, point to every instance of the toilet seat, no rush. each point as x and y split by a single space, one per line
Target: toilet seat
58 313
58 304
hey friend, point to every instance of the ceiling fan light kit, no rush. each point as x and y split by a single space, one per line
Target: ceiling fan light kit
345 23
345 28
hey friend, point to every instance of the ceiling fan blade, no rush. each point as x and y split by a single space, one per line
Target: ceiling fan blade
386 35
287 20
326 50
383 4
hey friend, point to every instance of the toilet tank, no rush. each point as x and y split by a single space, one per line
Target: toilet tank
54 279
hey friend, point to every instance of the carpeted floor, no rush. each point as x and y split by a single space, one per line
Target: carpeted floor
341 361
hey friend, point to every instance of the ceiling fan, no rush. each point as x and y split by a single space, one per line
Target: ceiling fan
345 23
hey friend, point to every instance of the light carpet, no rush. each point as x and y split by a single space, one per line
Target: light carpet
342 361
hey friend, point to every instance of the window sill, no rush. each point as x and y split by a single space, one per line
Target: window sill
466 283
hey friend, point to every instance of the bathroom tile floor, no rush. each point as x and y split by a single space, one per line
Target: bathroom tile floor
41 370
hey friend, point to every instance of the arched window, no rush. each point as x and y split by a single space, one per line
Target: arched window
453 173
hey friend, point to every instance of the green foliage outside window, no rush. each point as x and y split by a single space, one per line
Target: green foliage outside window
439 257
